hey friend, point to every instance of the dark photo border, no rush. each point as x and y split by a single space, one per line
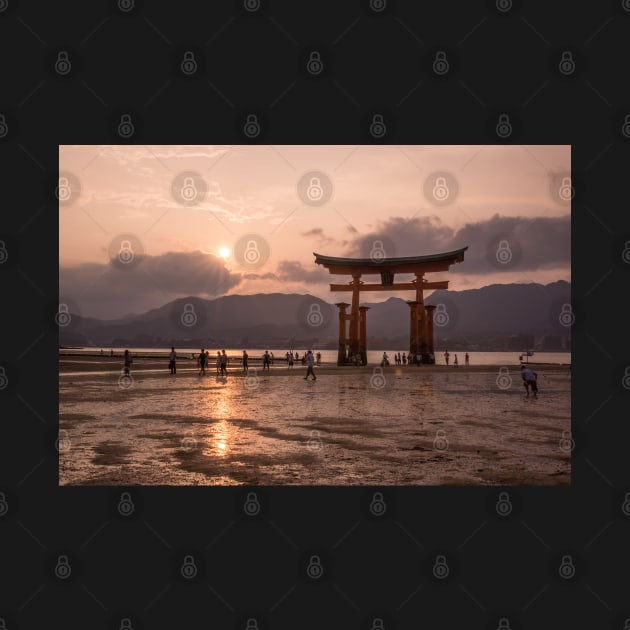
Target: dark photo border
313 557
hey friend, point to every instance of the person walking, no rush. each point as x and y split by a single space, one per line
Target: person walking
310 362
127 361
530 379
202 362
223 364
172 357
245 358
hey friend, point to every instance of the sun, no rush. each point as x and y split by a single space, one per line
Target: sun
224 252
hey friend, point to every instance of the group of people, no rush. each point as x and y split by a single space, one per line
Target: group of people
203 361
529 376
354 358
447 357
222 360
404 358
291 356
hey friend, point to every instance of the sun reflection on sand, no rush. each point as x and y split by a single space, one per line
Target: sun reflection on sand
221 433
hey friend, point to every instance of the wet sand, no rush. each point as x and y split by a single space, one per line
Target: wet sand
408 425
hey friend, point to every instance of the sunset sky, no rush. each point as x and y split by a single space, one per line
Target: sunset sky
142 225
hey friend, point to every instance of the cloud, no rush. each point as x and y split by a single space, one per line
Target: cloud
294 271
535 242
291 271
108 290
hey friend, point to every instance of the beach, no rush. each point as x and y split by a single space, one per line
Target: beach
399 425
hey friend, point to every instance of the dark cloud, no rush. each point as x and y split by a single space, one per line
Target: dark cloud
318 234
538 241
260 276
107 290
292 270
314 232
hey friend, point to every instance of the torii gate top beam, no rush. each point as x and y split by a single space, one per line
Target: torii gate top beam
408 264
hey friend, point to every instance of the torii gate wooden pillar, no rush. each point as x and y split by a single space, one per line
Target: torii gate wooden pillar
421 316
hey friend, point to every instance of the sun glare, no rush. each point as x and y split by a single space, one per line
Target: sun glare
224 252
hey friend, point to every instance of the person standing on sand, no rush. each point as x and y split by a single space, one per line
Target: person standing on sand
290 361
202 362
446 356
171 361
467 360
266 360
245 366
310 362
223 363
319 358
529 380
127 362
455 361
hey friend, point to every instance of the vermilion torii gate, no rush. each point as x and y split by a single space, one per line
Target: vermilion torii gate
421 316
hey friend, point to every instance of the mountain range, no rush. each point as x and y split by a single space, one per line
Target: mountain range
487 316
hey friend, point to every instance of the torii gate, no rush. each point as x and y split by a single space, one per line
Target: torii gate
421 316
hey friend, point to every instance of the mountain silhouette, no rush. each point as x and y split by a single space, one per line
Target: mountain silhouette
280 320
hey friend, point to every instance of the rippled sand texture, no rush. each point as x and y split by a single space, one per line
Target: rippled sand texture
422 427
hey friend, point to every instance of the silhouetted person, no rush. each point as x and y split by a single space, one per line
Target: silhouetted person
290 361
171 361
245 359
446 357
404 359
467 360
202 362
319 358
310 362
127 362
218 362
455 361
529 380
223 363
266 360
